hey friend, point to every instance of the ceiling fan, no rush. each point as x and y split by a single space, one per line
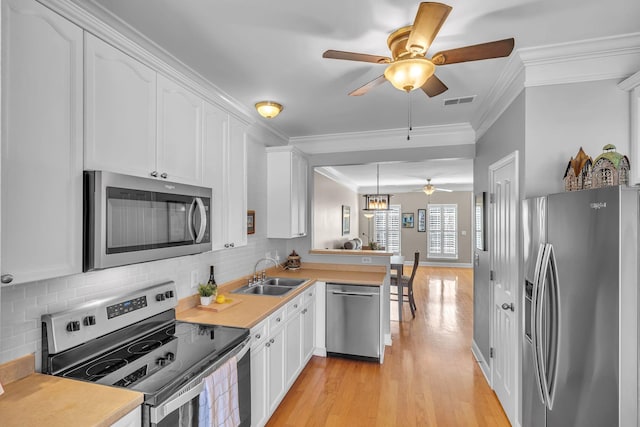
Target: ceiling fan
408 68
429 189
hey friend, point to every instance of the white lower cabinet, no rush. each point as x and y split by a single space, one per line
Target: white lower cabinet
281 346
132 419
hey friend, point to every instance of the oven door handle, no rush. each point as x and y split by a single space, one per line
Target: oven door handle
159 412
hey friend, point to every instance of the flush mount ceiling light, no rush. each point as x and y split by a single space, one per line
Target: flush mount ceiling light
268 109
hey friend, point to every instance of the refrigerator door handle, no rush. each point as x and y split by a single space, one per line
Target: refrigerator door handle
539 325
535 339
555 327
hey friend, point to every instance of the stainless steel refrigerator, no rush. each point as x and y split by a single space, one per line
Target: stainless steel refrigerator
580 325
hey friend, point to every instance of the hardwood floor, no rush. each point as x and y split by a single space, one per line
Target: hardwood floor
429 376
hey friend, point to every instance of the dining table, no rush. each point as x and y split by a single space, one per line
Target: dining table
397 264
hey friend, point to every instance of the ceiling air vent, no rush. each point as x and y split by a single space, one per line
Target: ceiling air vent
461 100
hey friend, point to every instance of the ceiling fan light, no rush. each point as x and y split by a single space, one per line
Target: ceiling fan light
268 109
428 189
410 73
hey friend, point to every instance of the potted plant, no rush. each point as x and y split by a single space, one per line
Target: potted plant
207 292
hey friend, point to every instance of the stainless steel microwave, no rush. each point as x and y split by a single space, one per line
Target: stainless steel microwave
129 219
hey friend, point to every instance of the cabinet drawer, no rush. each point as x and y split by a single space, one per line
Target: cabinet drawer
259 333
277 319
294 306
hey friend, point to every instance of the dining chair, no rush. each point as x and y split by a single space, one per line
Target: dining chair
407 283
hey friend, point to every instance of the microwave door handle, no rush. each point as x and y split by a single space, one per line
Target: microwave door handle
203 219
190 220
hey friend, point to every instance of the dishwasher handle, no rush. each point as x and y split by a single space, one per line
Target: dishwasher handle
355 294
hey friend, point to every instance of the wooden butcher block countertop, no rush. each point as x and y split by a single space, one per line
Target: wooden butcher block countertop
254 308
44 400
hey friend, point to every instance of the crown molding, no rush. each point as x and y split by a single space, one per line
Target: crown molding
93 18
339 178
583 61
630 83
424 136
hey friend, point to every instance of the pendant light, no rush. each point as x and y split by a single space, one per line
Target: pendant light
376 202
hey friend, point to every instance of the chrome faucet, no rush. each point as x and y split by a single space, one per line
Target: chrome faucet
264 272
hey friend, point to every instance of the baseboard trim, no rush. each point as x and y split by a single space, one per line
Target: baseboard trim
484 366
441 264
322 352
387 340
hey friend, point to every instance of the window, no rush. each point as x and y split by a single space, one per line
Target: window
442 241
387 228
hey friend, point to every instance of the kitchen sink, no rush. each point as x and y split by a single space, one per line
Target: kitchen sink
270 290
283 281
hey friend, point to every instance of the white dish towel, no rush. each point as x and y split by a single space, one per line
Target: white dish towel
219 398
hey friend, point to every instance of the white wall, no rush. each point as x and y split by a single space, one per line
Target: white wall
328 198
22 305
563 118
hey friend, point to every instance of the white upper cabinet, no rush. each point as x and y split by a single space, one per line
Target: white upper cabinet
224 170
179 138
139 122
120 116
41 143
286 193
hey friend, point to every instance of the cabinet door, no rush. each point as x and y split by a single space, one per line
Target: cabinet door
259 374
215 136
120 111
275 359
179 140
308 330
293 354
299 194
236 175
41 143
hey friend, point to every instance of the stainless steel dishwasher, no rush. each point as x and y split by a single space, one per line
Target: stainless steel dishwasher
353 320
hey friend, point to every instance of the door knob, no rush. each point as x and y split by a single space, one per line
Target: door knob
506 306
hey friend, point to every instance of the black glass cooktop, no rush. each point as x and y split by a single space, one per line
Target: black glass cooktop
174 352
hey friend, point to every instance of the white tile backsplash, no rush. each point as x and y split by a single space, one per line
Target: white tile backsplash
23 305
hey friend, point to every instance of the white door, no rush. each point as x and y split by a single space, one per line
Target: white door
503 180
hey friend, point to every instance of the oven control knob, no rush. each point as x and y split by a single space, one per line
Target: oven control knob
170 357
161 361
89 320
168 294
160 297
73 326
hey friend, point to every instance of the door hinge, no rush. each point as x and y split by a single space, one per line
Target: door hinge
491 352
492 275
492 197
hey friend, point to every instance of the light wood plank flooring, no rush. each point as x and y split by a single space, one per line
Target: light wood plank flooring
429 376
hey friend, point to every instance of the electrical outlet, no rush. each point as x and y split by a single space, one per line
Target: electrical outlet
194 279
366 260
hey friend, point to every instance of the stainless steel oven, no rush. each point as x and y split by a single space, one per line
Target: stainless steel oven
134 341
129 219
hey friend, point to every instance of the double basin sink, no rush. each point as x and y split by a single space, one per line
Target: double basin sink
271 286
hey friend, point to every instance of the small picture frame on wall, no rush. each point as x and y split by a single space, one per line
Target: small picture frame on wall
407 220
422 220
251 222
346 220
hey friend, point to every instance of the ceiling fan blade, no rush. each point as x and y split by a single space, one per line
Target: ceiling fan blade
434 86
445 190
429 19
496 49
351 56
367 87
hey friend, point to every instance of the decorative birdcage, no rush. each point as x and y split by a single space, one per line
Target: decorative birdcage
610 168
577 175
